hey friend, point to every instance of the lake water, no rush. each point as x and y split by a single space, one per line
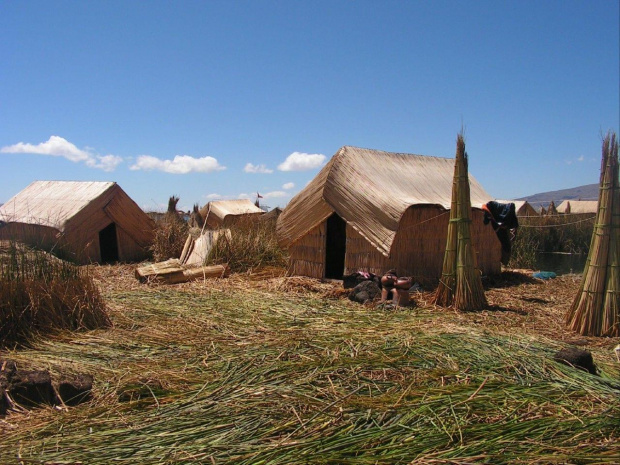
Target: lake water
561 263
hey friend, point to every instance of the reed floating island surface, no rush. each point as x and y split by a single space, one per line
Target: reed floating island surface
261 368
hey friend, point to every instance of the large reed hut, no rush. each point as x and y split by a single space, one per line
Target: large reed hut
83 221
224 213
522 207
372 210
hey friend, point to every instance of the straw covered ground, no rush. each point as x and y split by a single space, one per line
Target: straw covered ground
258 368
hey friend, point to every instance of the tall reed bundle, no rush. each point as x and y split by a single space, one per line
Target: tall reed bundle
596 308
460 285
251 244
41 294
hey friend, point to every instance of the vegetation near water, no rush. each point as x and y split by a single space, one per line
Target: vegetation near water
241 373
549 234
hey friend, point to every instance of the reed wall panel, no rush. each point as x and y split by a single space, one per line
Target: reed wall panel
419 246
307 255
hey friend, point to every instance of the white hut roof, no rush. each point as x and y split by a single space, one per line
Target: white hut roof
579 206
222 208
52 203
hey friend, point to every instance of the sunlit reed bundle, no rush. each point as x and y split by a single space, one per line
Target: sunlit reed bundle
460 285
41 294
596 308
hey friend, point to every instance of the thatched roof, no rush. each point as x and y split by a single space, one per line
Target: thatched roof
371 190
52 203
220 209
579 206
522 207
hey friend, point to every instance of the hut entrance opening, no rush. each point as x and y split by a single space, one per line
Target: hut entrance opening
108 244
335 247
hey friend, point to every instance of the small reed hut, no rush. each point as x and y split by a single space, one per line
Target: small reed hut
578 207
373 210
224 213
83 221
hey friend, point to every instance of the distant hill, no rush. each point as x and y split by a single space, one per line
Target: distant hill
587 192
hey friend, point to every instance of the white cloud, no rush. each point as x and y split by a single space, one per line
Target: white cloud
250 168
243 196
213 196
57 146
181 164
105 163
275 194
288 185
580 158
298 161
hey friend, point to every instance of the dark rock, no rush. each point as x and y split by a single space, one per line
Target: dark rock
365 291
30 388
4 385
76 389
8 368
578 358
351 280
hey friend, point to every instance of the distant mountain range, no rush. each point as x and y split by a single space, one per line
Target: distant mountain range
587 192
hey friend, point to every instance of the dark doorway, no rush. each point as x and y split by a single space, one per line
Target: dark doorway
108 244
335 247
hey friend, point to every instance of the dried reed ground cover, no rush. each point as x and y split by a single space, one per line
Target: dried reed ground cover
279 370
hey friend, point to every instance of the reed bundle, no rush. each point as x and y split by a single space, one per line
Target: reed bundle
596 308
460 285
41 294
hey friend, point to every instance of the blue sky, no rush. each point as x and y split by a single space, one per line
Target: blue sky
223 99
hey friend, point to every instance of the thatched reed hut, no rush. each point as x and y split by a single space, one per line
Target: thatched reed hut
83 221
578 207
522 207
224 213
373 210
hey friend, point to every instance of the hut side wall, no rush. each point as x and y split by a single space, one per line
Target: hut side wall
361 256
419 246
134 229
307 254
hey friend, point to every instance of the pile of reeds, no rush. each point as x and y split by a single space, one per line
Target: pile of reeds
246 377
251 244
41 294
460 285
596 308
170 234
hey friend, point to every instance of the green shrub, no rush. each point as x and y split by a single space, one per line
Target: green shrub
553 233
170 236
252 244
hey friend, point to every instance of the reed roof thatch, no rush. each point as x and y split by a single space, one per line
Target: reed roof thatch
578 206
217 211
371 190
52 203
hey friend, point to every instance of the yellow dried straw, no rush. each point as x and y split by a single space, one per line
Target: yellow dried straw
460 285
596 308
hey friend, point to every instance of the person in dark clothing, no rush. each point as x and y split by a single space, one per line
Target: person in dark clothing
503 218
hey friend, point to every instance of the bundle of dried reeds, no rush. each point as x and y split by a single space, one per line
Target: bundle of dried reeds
596 308
460 285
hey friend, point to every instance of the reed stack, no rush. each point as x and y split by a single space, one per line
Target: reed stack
460 285
596 308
